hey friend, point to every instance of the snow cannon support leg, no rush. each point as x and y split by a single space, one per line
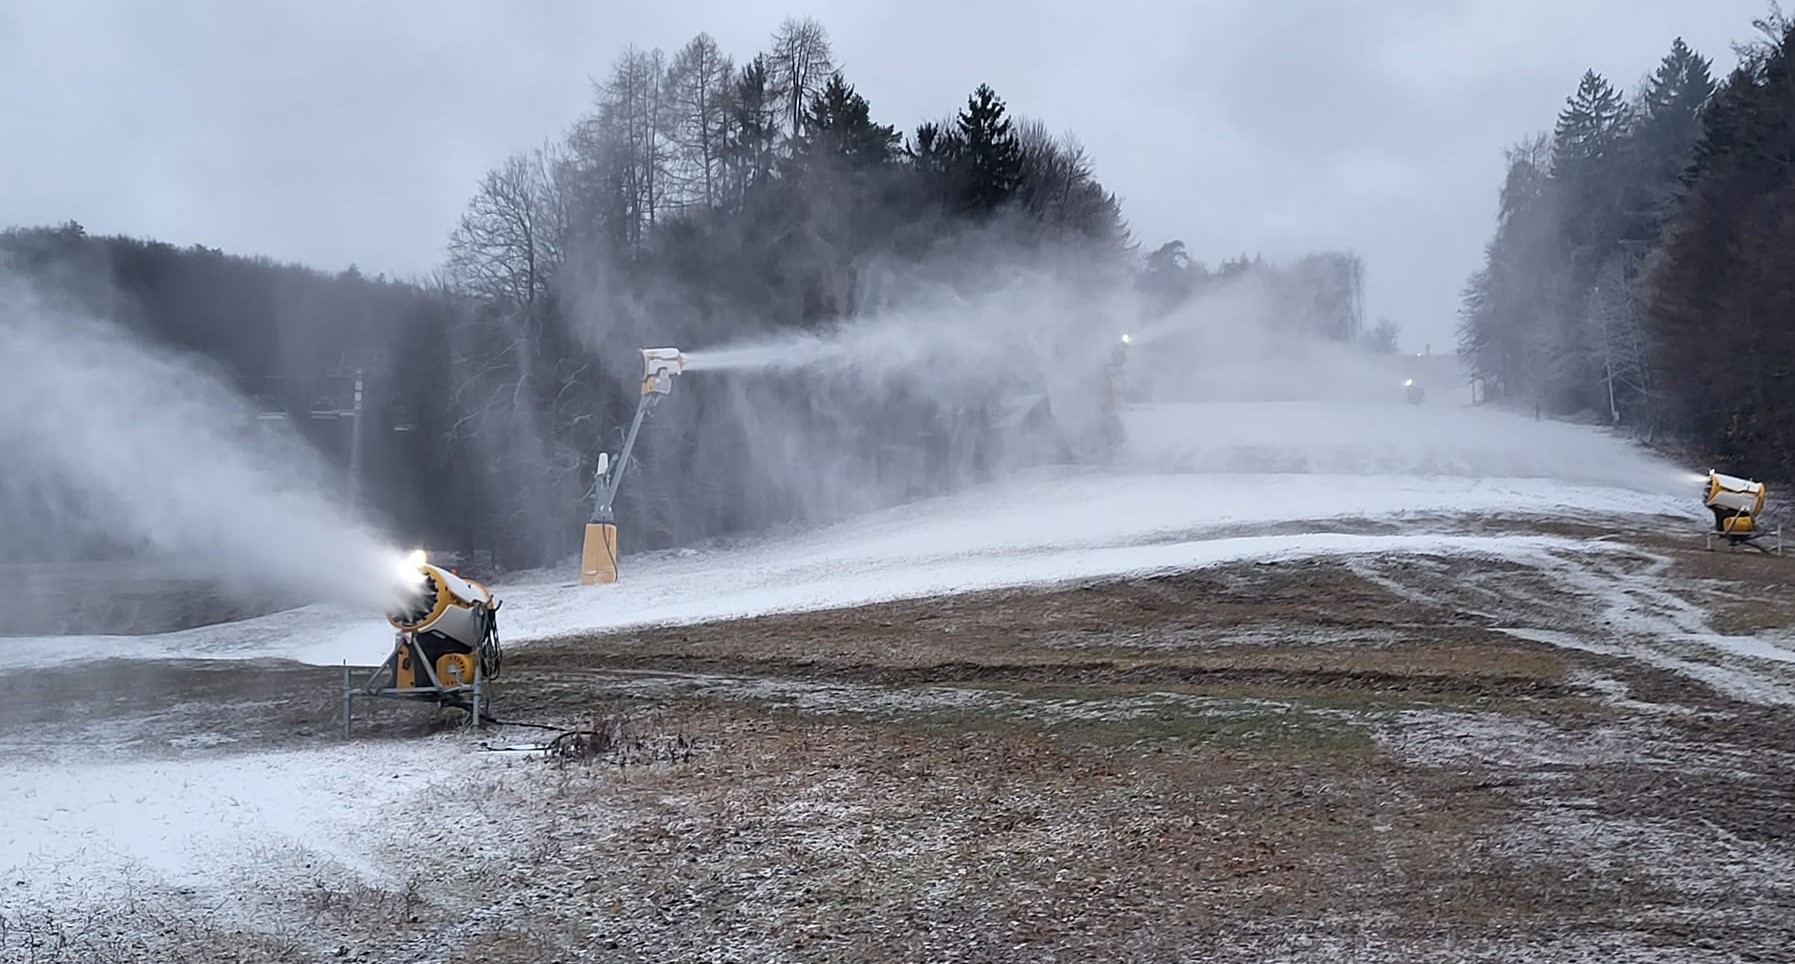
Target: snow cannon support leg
598 555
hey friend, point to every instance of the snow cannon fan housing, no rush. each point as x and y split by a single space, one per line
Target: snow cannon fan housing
1735 502
659 365
451 623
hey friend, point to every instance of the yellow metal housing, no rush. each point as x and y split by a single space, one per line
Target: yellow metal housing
1736 504
405 675
598 554
1734 494
455 669
1737 525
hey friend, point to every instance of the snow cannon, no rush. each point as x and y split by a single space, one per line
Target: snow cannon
1416 393
446 642
1113 375
659 365
1736 503
598 548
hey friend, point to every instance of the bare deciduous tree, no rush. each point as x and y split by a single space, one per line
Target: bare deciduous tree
1061 188
625 146
801 63
508 244
700 91
1616 339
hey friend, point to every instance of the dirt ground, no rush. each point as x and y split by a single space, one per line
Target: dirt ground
1580 757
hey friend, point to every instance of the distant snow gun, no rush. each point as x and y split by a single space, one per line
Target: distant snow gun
1416 393
598 550
1737 504
1113 375
446 643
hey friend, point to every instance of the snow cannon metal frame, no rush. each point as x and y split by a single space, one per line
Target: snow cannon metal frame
598 547
1736 504
445 647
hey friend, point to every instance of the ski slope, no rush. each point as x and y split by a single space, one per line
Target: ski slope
1197 485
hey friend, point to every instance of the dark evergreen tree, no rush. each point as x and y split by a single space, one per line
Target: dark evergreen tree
839 125
1670 125
990 152
750 146
1716 289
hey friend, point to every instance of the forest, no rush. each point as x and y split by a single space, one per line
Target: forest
1639 274
701 201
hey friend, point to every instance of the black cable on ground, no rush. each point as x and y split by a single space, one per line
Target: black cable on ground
559 731
485 718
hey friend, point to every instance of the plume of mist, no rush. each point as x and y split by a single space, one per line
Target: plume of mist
1233 342
110 438
1245 390
928 386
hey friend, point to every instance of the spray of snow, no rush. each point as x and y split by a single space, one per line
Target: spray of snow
1220 385
1388 439
160 453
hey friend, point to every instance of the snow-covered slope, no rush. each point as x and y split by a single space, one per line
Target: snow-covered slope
1180 496
1198 485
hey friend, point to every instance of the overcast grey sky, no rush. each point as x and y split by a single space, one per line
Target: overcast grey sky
352 131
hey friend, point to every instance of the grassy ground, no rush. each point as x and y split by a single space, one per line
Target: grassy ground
1341 760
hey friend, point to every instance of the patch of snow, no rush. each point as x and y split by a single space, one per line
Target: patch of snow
209 821
1616 600
1443 738
1691 857
1617 693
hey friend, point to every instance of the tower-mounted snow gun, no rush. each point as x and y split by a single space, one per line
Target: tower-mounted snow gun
446 643
598 551
1114 376
1736 503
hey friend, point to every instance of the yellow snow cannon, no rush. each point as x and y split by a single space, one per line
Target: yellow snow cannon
446 642
598 549
1736 503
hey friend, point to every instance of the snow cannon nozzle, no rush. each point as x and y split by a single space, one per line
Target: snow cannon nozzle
659 365
410 567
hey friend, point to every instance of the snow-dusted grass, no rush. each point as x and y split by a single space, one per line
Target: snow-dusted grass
201 820
263 844
1633 609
